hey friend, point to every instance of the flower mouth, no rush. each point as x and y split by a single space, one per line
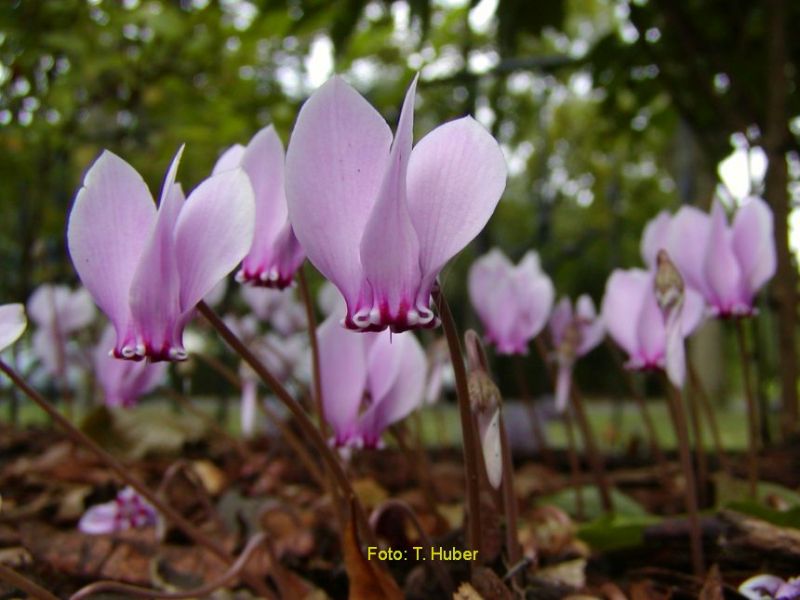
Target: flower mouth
271 278
166 353
379 317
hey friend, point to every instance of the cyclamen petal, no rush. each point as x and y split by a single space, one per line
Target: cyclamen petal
124 382
368 381
12 324
275 254
127 511
513 302
159 262
634 321
409 210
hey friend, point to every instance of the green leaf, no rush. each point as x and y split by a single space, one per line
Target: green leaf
624 505
613 532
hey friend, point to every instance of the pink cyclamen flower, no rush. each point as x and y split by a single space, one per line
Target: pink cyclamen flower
275 255
127 511
280 309
123 381
379 219
726 263
513 302
368 381
770 587
633 318
57 312
12 324
573 333
147 268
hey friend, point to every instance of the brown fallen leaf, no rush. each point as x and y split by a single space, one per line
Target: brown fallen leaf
647 590
466 592
712 587
368 579
489 585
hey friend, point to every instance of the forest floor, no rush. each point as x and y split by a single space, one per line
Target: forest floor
230 489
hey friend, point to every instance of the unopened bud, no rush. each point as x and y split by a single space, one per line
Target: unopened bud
485 402
669 286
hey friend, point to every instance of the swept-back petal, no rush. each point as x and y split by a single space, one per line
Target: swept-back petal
390 248
535 295
154 291
592 328
229 159
484 275
559 319
693 313
686 244
213 233
721 269
622 305
263 161
655 236
12 324
405 393
384 356
108 229
456 175
343 375
754 243
335 163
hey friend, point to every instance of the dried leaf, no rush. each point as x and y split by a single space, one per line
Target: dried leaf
489 585
368 579
647 590
712 587
466 592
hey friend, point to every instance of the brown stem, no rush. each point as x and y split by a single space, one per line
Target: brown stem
442 574
752 413
312 338
115 465
711 419
288 435
471 461
135 591
24 584
595 458
699 451
682 435
537 429
509 498
211 423
305 423
649 426
574 463
419 461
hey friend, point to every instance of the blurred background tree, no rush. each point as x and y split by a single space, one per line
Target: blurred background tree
607 110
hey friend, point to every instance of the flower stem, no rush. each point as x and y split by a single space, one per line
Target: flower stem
752 413
303 420
509 498
471 462
574 463
115 465
312 338
34 590
708 410
699 450
679 421
537 429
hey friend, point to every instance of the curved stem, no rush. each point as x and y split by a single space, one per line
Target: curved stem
752 413
312 339
24 584
288 435
135 591
305 423
115 465
682 434
471 461
445 581
574 463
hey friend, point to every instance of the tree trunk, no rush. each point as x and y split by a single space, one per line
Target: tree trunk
784 285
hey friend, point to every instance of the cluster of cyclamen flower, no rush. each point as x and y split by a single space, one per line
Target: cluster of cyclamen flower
698 265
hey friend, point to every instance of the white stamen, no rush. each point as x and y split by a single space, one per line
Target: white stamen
375 316
273 274
263 276
412 318
128 352
239 277
140 350
178 354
